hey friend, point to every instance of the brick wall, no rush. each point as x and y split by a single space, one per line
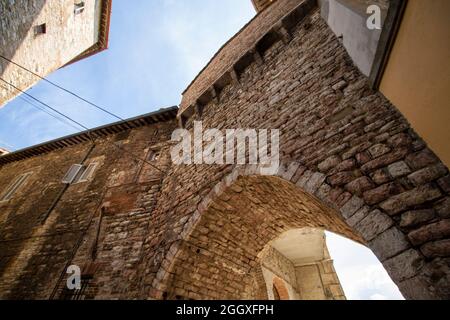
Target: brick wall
351 164
47 52
347 146
35 251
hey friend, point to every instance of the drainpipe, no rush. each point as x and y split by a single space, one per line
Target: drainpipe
64 189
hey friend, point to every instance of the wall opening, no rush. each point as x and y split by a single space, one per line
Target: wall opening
259 233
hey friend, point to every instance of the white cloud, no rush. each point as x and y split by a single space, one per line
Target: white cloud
362 276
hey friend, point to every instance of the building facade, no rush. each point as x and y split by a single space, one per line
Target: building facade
43 36
140 226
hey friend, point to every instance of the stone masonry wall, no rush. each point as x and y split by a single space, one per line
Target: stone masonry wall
343 143
351 164
67 35
35 252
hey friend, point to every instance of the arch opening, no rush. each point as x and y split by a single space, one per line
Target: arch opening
223 255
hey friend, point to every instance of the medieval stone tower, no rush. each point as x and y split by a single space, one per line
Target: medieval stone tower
143 227
45 35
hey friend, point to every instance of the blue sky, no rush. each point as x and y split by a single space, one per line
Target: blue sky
156 48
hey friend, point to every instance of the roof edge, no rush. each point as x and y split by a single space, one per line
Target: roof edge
103 37
162 115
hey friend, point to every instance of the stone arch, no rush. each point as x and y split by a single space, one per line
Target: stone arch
343 145
212 261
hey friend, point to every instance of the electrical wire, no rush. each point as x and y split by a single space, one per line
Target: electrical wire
63 89
62 120
45 104
90 133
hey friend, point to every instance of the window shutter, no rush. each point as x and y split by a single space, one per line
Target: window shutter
88 173
14 186
72 173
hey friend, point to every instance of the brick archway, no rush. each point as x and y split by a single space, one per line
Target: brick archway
343 146
219 246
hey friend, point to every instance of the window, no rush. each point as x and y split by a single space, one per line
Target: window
88 173
72 173
78 7
79 173
40 29
15 186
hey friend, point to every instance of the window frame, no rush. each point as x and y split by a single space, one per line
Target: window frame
87 174
14 186
66 179
40 29
79 7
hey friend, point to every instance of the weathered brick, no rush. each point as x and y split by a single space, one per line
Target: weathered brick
416 217
421 159
373 224
385 160
428 174
443 208
436 249
444 183
380 176
346 165
358 216
434 231
315 182
410 198
329 163
341 178
378 150
389 244
382 193
362 158
400 140
399 169
359 185
353 205
405 265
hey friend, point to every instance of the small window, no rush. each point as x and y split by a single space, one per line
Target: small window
15 186
88 173
40 29
72 173
78 7
79 173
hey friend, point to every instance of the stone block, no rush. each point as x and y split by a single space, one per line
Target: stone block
435 231
427 174
399 169
359 185
405 265
414 197
329 163
381 193
413 218
373 224
421 159
353 205
389 243
378 150
436 249
443 208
